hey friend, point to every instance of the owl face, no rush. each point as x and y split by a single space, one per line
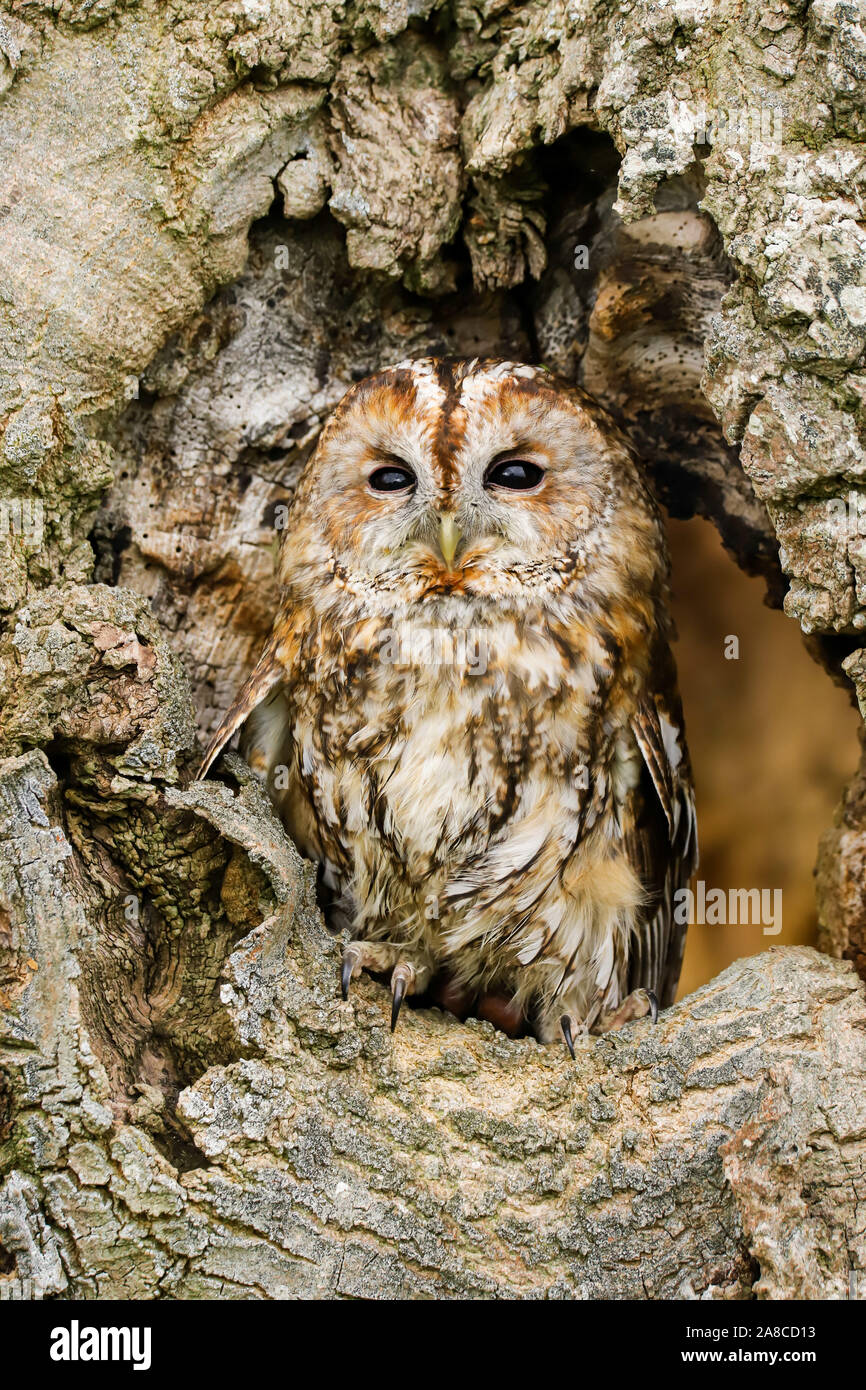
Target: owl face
479 480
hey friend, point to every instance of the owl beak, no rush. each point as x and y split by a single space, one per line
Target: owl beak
449 537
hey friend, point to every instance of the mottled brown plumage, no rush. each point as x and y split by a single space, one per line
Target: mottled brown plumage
467 711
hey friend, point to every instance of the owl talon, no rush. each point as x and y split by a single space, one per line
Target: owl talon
654 1006
402 978
565 1025
351 958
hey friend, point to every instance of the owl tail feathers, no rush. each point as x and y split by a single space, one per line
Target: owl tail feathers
267 673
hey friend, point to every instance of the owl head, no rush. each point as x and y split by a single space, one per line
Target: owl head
483 480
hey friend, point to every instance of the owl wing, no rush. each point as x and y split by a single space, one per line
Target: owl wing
267 673
662 839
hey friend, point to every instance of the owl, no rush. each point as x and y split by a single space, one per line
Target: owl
467 711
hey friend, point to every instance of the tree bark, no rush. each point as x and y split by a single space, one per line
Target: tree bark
186 1107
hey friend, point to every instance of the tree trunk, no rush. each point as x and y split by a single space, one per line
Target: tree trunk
213 222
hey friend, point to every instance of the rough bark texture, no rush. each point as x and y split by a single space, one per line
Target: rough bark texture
185 1107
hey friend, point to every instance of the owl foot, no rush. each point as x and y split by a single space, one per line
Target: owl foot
407 977
638 1004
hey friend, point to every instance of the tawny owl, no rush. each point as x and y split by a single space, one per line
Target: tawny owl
467 710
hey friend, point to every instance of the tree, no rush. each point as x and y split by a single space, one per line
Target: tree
215 220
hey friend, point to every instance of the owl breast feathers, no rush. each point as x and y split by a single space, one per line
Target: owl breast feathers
467 710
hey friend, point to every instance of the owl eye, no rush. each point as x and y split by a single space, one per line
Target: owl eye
391 479
518 475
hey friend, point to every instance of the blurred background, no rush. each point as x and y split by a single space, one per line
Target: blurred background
772 742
